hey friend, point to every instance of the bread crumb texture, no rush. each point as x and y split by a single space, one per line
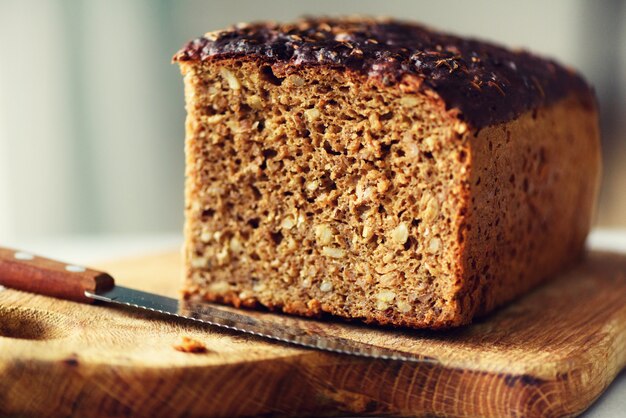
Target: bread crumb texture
316 190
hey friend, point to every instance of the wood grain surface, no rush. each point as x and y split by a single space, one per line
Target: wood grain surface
551 353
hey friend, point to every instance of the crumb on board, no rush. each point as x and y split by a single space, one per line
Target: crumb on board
190 345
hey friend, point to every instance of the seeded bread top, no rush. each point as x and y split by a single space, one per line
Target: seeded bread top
487 83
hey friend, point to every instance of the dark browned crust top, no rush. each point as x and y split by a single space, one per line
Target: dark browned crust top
487 83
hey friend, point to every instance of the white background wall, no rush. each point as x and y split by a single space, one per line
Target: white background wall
91 110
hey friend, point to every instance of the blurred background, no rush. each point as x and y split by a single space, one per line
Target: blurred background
91 110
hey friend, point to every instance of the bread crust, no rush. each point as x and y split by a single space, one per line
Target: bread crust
534 185
488 83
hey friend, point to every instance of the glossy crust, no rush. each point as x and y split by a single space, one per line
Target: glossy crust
487 83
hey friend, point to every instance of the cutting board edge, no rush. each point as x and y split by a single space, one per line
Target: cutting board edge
528 395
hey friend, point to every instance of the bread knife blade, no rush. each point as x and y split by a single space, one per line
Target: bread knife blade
27 272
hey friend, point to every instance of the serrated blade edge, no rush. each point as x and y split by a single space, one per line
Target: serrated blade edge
295 333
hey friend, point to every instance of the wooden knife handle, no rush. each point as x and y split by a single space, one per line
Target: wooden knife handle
24 271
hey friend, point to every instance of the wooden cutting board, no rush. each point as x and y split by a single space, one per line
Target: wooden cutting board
551 353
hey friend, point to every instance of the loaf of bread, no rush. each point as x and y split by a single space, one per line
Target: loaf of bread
380 171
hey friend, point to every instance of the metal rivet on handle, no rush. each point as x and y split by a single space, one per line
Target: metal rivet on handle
74 268
20 255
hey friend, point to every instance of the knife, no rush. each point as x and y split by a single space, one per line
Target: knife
24 271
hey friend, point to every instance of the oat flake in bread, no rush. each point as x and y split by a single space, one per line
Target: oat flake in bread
378 170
